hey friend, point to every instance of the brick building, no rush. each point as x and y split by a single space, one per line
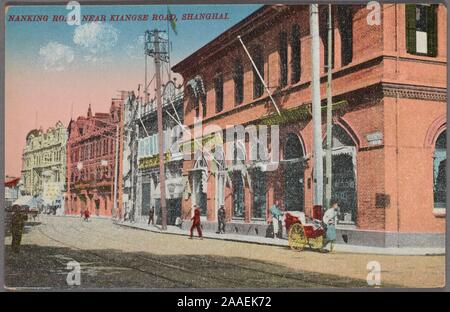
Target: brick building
44 164
389 130
141 176
91 161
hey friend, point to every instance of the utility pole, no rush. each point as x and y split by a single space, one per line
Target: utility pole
116 172
157 48
328 156
316 110
145 83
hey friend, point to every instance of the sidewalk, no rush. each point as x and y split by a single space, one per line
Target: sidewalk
173 230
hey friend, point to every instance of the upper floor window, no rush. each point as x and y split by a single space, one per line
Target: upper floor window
197 106
295 54
345 18
203 100
283 58
421 29
238 77
258 86
218 88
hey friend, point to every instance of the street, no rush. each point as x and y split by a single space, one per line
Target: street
113 256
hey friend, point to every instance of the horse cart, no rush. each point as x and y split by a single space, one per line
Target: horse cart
304 232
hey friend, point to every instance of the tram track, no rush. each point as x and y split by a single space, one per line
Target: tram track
233 266
159 265
177 283
229 275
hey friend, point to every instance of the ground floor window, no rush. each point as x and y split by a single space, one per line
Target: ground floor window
238 195
293 172
343 186
145 199
259 194
439 173
199 186
220 188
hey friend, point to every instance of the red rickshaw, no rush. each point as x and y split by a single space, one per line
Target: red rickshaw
305 231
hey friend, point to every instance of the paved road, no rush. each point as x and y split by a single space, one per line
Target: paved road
115 257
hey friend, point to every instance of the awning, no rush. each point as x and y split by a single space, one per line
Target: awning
28 201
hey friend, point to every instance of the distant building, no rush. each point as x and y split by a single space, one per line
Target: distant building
11 190
92 161
389 127
141 188
44 164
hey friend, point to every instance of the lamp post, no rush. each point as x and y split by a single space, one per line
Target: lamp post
316 110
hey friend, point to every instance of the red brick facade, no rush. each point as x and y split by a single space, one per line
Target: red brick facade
396 109
91 157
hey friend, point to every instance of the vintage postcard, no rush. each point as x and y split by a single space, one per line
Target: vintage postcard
224 146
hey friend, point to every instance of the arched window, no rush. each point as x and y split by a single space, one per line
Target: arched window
238 180
199 176
219 163
439 166
343 174
294 174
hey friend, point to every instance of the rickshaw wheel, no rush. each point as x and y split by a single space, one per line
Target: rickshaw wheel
297 239
316 243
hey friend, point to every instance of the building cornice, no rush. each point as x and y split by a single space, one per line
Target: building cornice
414 92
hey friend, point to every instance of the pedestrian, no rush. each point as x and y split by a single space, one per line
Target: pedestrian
17 225
196 224
151 215
86 215
221 220
276 219
330 220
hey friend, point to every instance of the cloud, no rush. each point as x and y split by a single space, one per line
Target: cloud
135 49
97 39
56 56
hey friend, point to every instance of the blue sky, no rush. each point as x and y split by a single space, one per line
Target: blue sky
54 71
25 39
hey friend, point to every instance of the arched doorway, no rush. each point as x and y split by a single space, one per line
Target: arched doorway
343 170
199 176
439 174
221 174
238 174
294 174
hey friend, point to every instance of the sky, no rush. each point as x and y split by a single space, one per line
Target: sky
54 70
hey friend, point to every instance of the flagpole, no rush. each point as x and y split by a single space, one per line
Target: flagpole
168 41
259 75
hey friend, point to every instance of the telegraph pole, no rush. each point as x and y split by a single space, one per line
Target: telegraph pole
158 50
316 110
328 157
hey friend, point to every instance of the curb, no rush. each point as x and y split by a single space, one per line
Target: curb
349 249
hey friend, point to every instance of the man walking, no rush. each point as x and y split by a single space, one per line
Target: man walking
196 223
151 215
17 225
276 219
221 220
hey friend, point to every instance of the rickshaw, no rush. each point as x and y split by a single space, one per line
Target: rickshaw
304 231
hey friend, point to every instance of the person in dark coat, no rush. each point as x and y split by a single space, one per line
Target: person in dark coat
196 224
221 220
18 219
151 215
